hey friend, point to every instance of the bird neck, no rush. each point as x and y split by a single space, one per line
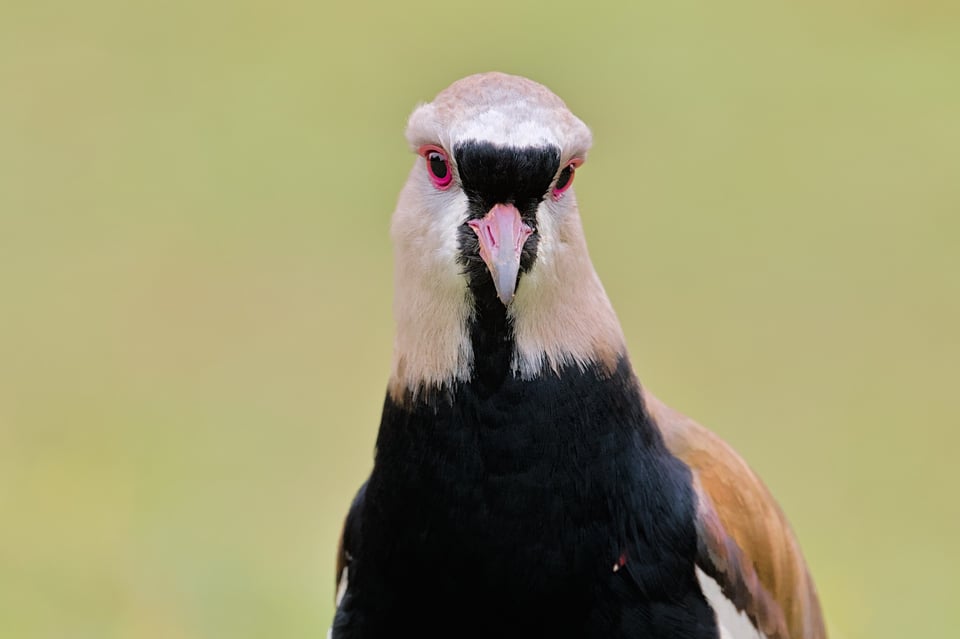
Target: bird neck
451 328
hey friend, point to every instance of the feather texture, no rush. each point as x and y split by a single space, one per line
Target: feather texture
745 541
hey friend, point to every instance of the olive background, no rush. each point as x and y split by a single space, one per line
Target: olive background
195 280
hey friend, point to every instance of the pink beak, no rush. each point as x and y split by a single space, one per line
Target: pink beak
502 234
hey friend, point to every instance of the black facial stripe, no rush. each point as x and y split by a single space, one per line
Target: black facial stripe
491 175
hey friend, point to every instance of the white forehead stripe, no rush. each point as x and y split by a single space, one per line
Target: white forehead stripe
505 129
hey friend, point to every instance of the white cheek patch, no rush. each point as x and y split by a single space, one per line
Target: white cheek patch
452 216
431 306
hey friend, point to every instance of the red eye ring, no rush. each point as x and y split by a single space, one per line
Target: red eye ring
565 178
438 165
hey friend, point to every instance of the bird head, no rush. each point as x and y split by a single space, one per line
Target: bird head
488 225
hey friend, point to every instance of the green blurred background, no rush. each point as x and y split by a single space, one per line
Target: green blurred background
195 281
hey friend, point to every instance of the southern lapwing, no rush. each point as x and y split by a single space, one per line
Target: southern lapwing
525 484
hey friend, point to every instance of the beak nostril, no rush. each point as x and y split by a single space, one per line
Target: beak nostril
501 235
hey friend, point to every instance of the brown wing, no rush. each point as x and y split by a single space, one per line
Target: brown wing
745 541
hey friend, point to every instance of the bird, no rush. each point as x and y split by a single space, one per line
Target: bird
525 484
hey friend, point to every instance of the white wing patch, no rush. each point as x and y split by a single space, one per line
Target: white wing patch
733 623
342 590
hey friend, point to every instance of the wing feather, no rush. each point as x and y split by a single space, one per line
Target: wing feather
745 542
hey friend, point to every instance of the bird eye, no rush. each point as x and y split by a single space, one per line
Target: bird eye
438 168
565 179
